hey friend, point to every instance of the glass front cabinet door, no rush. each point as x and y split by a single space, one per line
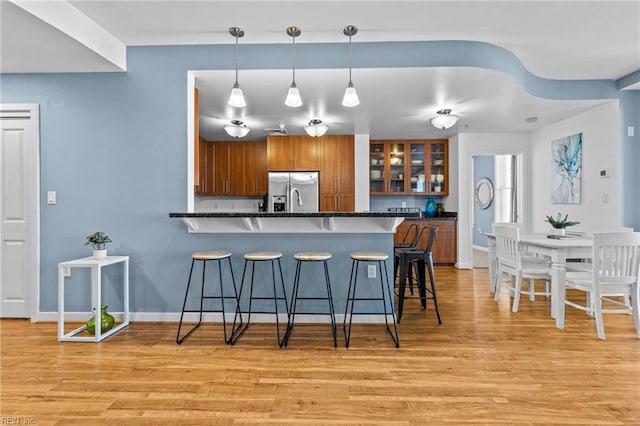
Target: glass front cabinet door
397 162
377 184
417 167
438 165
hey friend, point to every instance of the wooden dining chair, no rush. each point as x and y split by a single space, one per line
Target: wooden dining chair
615 271
511 261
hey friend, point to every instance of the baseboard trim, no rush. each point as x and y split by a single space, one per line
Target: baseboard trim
174 317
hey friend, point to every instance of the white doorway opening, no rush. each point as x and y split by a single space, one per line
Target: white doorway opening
497 189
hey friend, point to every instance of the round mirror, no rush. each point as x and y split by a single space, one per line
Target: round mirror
484 193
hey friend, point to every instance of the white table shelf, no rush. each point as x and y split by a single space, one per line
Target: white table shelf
96 265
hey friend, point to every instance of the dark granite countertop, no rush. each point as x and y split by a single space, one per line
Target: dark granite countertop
294 214
447 216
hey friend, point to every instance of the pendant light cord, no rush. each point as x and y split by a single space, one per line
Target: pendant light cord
350 59
236 58
294 60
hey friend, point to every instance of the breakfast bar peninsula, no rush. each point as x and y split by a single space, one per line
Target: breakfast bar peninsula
338 233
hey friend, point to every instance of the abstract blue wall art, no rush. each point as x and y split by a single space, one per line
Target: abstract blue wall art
566 170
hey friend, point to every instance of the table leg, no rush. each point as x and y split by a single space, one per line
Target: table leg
492 264
60 303
96 290
558 289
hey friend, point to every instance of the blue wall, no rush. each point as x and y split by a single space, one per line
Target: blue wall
483 166
113 147
630 158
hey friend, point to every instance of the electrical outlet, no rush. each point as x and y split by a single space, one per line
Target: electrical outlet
371 271
605 198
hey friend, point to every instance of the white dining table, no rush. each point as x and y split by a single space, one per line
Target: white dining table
558 250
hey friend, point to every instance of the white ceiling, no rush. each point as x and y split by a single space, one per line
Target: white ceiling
553 39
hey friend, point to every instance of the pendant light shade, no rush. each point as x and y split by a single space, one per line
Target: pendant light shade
444 119
350 98
316 128
237 129
236 99
293 95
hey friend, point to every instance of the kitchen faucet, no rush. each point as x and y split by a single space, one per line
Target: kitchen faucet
299 203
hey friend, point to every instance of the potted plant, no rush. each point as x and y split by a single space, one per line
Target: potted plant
558 225
98 241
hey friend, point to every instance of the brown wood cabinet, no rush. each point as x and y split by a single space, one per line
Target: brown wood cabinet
205 165
255 168
196 140
292 153
444 247
413 167
337 175
233 168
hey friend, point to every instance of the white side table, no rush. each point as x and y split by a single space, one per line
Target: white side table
96 296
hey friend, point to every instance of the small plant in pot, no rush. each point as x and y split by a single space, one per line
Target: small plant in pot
559 225
98 240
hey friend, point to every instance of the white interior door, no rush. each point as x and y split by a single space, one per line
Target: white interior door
19 160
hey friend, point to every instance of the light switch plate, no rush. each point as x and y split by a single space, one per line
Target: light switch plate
51 197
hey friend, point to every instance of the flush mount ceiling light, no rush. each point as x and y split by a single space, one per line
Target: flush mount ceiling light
444 119
236 99
293 96
316 128
350 98
236 129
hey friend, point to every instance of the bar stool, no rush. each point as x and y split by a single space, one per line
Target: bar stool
413 262
254 257
300 259
204 257
379 259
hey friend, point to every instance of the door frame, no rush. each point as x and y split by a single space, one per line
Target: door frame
8 111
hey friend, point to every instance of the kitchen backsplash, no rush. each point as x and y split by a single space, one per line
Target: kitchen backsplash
382 203
224 204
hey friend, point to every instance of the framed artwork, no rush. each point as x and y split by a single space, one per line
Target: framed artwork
566 170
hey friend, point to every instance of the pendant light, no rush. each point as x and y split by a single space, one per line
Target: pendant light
293 96
237 129
444 119
350 98
316 128
236 99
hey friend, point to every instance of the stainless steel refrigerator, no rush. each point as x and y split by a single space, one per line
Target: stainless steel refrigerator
293 192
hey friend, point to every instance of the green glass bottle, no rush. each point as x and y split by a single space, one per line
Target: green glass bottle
106 321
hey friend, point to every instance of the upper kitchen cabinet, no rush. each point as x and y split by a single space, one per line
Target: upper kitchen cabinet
409 167
292 153
233 168
337 175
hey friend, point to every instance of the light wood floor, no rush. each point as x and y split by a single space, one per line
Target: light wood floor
483 365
